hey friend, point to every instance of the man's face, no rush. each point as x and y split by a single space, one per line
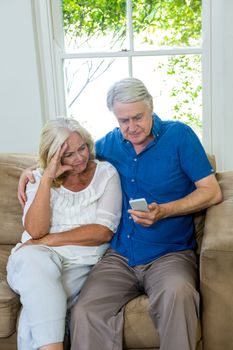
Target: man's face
135 121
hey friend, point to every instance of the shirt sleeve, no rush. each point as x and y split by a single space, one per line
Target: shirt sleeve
193 158
110 203
31 190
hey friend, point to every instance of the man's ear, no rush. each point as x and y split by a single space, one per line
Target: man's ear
151 106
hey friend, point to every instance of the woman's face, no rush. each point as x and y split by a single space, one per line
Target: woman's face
76 154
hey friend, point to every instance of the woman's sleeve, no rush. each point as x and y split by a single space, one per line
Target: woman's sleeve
110 203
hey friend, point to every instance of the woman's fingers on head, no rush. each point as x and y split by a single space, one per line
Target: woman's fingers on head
66 168
62 149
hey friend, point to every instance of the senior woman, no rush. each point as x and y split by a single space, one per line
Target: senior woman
72 210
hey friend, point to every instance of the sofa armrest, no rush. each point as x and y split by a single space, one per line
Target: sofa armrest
216 270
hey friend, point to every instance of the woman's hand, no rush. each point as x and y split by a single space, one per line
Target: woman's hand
37 218
40 241
55 168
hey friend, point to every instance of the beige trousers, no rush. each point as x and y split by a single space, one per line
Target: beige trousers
169 282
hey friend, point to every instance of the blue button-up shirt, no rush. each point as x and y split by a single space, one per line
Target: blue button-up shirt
164 171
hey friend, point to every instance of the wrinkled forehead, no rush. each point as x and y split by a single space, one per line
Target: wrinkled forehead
130 110
74 140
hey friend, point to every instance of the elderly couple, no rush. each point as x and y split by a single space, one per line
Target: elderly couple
82 244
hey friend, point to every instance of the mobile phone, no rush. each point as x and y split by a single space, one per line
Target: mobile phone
139 204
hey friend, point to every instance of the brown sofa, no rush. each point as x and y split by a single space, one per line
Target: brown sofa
216 269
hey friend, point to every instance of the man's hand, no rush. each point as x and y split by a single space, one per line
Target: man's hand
26 176
156 212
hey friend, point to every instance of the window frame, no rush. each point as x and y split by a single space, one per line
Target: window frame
50 46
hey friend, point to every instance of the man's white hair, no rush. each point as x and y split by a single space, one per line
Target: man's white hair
128 90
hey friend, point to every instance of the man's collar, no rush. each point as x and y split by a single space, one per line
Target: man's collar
156 126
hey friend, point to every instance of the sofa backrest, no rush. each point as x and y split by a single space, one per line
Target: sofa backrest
11 166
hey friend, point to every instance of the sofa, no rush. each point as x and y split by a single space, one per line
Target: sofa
214 232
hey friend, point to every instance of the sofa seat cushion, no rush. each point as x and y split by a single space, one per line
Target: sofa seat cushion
9 343
139 330
9 308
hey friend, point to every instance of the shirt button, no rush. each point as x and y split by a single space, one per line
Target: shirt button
130 218
128 236
132 180
135 159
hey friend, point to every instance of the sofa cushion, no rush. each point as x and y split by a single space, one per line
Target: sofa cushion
4 254
136 335
199 223
9 343
11 166
226 184
9 308
139 330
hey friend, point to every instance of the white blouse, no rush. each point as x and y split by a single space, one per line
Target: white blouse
99 203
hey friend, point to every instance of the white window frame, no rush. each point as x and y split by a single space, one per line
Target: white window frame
49 32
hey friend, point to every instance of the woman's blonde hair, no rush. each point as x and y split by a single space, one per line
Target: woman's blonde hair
54 133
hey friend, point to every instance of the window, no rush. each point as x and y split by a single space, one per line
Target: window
159 42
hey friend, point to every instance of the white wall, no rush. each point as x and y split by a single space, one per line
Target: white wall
20 105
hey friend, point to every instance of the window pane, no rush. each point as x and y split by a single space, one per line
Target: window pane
98 25
166 23
175 83
87 82
101 25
